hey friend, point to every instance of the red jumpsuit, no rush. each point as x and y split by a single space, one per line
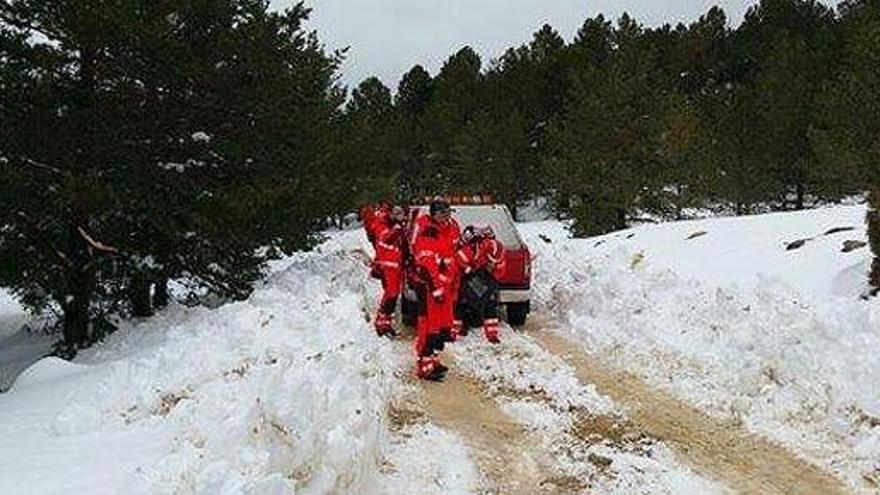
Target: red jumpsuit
373 217
485 253
388 264
433 247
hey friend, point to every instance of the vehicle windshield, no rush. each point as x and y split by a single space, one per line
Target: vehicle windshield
495 216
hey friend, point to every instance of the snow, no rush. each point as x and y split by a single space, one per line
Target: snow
47 370
12 315
201 137
285 391
540 391
290 390
744 251
19 346
431 461
734 323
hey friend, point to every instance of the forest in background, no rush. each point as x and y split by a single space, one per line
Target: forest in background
193 140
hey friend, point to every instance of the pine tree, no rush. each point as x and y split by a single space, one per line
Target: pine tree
414 94
787 44
706 52
605 156
455 105
525 92
154 141
492 156
371 148
846 137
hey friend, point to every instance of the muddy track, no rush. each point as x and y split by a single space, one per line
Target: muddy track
742 461
499 445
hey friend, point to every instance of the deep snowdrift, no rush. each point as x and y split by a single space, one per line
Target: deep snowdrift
286 390
291 389
19 347
722 314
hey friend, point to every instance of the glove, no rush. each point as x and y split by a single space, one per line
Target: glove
456 331
491 334
491 330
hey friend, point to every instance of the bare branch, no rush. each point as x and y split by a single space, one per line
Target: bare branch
43 166
96 244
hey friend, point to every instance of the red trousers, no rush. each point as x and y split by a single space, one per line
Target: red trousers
392 278
435 317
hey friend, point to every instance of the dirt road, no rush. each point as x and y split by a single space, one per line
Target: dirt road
513 460
499 445
740 460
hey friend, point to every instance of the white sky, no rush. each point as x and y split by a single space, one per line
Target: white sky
387 37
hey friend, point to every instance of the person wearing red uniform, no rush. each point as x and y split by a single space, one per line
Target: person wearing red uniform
388 231
367 214
371 216
481 259
433 247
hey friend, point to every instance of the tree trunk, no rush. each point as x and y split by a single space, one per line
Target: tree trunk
81 272
160 295
139 296
564 206
800 193
81 280
874 238
621 218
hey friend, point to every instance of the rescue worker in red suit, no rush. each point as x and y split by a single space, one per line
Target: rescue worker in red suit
371 215
481 261
433 247
388 230
367 215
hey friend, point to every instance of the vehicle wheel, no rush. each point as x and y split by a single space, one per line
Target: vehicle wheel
408 312
473 320
517 313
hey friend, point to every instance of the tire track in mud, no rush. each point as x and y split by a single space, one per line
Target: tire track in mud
499 445
506 457
741 460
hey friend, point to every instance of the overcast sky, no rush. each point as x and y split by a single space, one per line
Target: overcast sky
388 37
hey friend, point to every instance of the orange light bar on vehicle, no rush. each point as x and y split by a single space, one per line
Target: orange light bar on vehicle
464 199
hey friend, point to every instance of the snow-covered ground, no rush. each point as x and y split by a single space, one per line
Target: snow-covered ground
540 391
291 390
12 315
19 347
720 313
286 391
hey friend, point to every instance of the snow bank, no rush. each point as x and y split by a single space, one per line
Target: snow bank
723 315
285 391
46 370
19 348
12 315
